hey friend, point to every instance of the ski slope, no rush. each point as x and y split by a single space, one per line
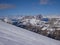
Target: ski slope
12 35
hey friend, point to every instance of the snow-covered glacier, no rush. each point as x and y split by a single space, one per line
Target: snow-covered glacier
12 35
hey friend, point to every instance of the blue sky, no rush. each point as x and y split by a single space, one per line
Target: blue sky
29 7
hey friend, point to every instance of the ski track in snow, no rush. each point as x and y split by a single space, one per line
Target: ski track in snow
12 35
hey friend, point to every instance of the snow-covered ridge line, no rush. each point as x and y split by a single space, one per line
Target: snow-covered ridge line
12 35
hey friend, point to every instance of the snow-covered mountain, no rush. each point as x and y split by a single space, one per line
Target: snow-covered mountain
46 26
33 20
12 35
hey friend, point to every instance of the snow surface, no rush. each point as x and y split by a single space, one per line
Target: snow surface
34 21
12 35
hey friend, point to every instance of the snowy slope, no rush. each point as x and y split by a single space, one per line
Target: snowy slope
11 35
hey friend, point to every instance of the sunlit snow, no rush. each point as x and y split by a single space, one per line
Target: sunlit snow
12 35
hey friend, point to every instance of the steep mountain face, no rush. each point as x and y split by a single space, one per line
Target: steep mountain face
12 35
33 20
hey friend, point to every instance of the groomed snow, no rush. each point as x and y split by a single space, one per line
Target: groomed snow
12 35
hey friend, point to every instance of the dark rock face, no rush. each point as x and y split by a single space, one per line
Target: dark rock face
39 16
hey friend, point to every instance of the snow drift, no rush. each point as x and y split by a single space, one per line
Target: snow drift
12 35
